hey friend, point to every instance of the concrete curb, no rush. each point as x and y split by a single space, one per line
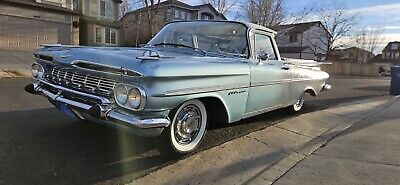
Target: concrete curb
262 157
276 171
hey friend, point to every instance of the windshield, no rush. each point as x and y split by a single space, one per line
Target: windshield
225 38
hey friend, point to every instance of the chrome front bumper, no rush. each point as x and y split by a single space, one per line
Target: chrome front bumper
107 111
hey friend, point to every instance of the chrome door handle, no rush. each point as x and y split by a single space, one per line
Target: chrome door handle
285 67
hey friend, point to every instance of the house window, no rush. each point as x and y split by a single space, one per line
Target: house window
183 15
107 35
75 4
206 16
113 36
394 46
103 8
110 36
189 16
177 14
99 35
293 38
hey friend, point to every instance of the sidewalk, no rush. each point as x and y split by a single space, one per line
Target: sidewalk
15 63
353 143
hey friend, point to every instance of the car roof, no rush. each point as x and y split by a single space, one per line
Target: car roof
247 24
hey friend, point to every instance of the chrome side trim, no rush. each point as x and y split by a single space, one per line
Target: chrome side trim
206 89
102 99
197 90
271 82
301 79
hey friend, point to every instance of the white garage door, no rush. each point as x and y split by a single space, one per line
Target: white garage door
26 34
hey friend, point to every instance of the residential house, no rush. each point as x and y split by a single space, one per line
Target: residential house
303 40
391 51
135 27
99 24
390 56
352 54
26 24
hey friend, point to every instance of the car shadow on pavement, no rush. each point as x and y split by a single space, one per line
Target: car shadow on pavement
46 147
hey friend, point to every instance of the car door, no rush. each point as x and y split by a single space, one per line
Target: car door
270 77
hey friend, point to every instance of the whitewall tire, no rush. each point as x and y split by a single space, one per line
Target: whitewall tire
188 126
298 105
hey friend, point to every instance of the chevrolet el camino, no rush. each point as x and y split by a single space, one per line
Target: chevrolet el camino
191 74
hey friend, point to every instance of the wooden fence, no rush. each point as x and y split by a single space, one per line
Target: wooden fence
351 69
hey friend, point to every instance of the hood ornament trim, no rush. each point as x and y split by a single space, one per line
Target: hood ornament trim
104 68
149 55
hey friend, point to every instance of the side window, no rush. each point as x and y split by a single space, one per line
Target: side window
263 45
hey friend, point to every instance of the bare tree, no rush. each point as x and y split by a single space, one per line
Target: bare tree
367 40
152 9
338 21
269 13
222 6
369 37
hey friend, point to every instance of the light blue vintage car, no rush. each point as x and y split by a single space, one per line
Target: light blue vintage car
191 72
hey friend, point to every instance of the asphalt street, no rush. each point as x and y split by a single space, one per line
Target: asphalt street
39 145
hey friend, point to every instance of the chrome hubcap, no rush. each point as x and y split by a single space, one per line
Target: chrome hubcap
187 124
299 102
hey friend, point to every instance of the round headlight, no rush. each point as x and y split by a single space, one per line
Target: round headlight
37 71
134 98
121 94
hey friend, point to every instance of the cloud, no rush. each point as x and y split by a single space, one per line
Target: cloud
390 11
392 27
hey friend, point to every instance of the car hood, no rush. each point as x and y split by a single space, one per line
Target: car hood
171 63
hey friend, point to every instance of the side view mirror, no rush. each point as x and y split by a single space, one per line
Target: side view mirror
263 57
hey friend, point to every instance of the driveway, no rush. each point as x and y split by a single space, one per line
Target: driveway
15 63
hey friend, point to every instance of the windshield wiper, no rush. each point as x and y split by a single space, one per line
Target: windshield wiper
180 45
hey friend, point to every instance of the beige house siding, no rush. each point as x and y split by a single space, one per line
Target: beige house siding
34 13
91 19
25 28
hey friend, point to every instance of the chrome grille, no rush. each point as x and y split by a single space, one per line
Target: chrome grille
88 83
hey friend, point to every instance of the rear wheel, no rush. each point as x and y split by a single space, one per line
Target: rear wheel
188 127
298 105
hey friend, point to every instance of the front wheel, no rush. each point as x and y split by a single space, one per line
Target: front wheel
188 126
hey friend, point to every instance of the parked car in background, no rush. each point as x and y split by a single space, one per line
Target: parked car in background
191 72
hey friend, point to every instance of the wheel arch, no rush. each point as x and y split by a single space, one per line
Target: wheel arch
217 107
311 91
213 104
